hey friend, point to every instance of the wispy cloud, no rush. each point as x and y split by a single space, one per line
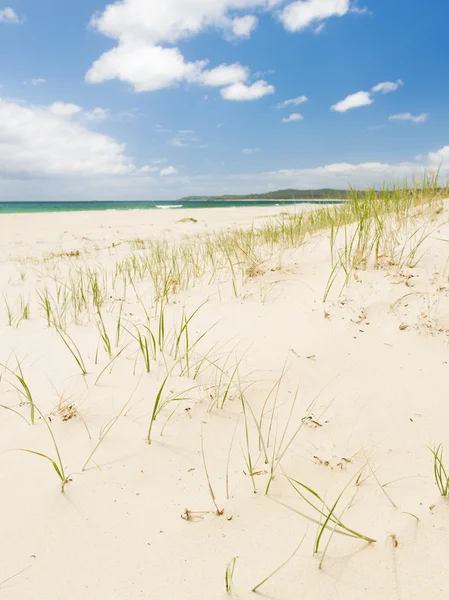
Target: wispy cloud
360 10
186 138
387 87
179 142
293 117
251 150
409 117
36 81
292 102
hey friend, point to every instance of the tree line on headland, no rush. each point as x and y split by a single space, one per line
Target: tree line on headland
290 194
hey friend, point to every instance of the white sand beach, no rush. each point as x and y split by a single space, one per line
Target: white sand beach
258 375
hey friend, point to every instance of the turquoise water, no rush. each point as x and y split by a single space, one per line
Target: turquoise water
76 206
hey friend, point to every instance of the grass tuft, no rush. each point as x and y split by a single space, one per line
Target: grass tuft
439 471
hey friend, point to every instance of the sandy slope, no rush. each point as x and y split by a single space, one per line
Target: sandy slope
374 367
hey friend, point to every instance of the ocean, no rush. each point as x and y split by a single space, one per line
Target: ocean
77 206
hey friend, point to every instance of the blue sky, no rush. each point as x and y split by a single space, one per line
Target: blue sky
152 99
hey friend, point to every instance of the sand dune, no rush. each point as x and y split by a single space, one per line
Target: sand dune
254 382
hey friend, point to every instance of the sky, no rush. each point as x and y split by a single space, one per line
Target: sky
159 99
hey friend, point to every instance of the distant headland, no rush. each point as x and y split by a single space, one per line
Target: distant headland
289 194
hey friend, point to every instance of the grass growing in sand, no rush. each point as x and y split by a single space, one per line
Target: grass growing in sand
440 473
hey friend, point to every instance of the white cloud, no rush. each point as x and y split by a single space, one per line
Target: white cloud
251 150
36 81
364 10
387 86
292 102
353 101
409 117
97 114
7 15
186 138
171 20
366 98
440 158
179 142
39 141
63 109
293 117
244 26
142 29
144 66
168 171
225 75
305 13
241 91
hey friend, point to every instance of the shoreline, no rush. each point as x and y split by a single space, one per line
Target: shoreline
33 207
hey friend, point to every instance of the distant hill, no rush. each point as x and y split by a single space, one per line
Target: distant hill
322 194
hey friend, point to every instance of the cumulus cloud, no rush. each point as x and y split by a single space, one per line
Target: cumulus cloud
242 27
241 92
292 102
225 75
47 140
144 66
8 15
250 150
306 13
64 109
293 117
353 101
409 117
440 158
142 28
387 86
168 171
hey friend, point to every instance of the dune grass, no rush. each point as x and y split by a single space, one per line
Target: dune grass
229 574
439 471
22 387
56 463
